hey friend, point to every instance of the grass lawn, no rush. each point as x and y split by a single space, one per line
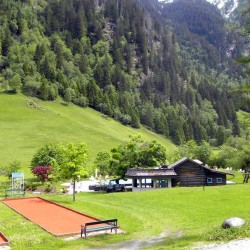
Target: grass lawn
26 126
196 213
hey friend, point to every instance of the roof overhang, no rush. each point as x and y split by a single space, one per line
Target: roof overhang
150 173
198 163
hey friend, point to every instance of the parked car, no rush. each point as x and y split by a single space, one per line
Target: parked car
99 186
115 188
114 185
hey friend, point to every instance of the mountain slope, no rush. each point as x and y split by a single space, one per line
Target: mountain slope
28 124
227 7
126 60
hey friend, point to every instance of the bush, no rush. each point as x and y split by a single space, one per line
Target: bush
42 172
13 167
82 101
32 186
47 188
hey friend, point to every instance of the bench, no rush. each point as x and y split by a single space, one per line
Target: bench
90 227
14 192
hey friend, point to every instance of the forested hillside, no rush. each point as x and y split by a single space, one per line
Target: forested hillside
127 60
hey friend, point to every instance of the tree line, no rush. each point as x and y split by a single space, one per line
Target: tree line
56 162
118 58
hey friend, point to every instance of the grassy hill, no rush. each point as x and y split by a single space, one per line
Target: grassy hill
28 124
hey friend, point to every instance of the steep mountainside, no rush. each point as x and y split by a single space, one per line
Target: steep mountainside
200 26
129 59
227 7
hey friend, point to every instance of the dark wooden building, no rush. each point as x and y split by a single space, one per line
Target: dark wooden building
193 173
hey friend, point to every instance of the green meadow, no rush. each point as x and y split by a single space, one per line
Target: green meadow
27 124
191 216
187 215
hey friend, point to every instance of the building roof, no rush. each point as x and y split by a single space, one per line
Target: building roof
17 175
218 171
150 173
177 163
184 159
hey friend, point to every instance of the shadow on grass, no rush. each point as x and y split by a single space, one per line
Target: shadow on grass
9 92
64 104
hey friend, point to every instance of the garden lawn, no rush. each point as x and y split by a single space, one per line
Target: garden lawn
196 213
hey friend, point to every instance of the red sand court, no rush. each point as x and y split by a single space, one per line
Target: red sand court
3 240
52 217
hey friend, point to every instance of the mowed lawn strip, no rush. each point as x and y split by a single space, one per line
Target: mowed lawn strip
194 212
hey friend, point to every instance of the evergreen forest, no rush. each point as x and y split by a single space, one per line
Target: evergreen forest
171 69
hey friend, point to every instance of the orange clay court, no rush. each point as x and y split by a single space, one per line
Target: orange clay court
3 240
54 218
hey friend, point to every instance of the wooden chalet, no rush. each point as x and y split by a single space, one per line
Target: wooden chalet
193 173
185 173
146 179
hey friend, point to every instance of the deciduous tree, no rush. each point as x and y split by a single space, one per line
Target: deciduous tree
73 165
102 163
136 153
14 166
48 155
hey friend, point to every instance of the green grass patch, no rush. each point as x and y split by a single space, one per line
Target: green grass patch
196 213
28 124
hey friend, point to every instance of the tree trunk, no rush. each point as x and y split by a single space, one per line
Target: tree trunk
74 190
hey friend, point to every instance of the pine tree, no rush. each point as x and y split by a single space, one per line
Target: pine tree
44 90
221 138
80 23
236 127
135 120
7 41
93 94
128 57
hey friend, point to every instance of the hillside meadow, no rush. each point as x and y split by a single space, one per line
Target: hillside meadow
27 124
190 216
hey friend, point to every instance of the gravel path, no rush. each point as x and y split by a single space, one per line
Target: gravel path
242 244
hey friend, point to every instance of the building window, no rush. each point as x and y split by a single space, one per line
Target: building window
163 183
209 180
218 180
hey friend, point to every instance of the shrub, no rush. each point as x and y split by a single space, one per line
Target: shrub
31 185
42 172
14 166
47 188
